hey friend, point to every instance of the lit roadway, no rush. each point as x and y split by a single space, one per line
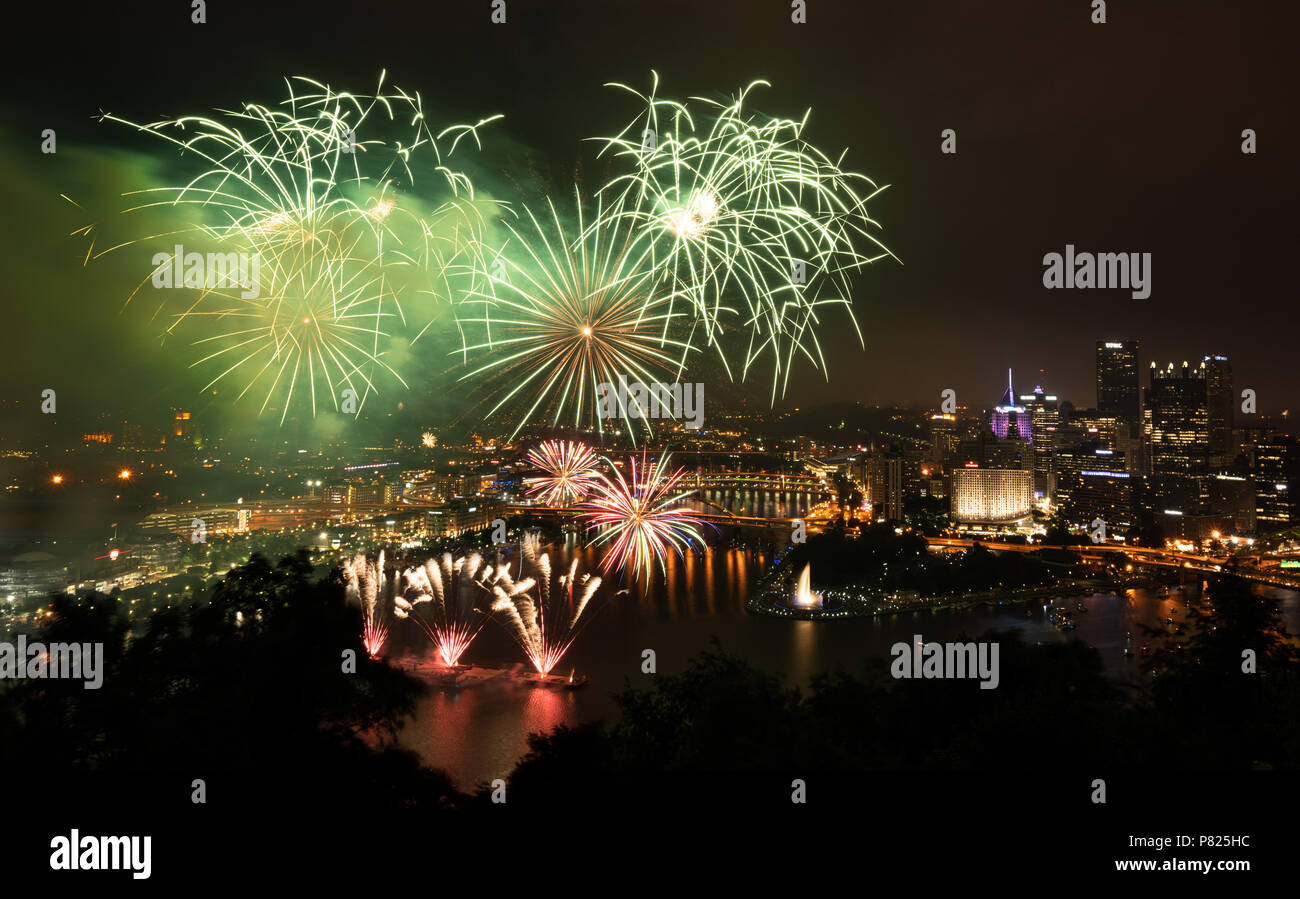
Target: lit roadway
1098 552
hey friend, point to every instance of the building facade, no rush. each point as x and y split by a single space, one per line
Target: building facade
992 495
1117 379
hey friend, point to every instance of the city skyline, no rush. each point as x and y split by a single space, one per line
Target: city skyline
413 424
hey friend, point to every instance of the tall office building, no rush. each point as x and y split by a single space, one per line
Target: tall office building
1180 420
1093 425
1221 406
1009 418
1093 481
1234 497
885 475
943 436
182 426
894 487
1276 472
1117 379
987 451
1044 419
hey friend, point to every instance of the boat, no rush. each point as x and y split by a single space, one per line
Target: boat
1063 621
1080 607
433 671
557 681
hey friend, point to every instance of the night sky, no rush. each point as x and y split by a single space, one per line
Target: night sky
1122 137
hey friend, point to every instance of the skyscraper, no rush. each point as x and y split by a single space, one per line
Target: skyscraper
943 436
1009 419
884 470
1221 406
1093 481
1117 379
1277 471
1044 418
1180 426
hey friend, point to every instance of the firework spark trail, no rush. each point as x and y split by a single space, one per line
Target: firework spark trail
637 517
366 584
572 316
570 467
441 598
298 188
546 627
727 207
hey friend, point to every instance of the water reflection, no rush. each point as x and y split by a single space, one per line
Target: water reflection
754 503
478 733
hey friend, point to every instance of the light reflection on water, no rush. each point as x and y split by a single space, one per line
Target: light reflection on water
478 733
755 503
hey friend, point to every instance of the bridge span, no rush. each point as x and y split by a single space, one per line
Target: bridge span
721 517
783 483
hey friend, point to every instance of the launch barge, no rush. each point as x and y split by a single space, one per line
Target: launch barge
435 671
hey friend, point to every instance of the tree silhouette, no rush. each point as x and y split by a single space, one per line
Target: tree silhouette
244 688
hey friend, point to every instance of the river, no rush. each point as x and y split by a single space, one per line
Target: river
477 733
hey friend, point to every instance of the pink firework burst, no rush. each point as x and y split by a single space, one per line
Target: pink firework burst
366 584
441 597
570 471
546 624
637 517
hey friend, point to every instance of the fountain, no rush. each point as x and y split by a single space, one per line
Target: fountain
804 597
